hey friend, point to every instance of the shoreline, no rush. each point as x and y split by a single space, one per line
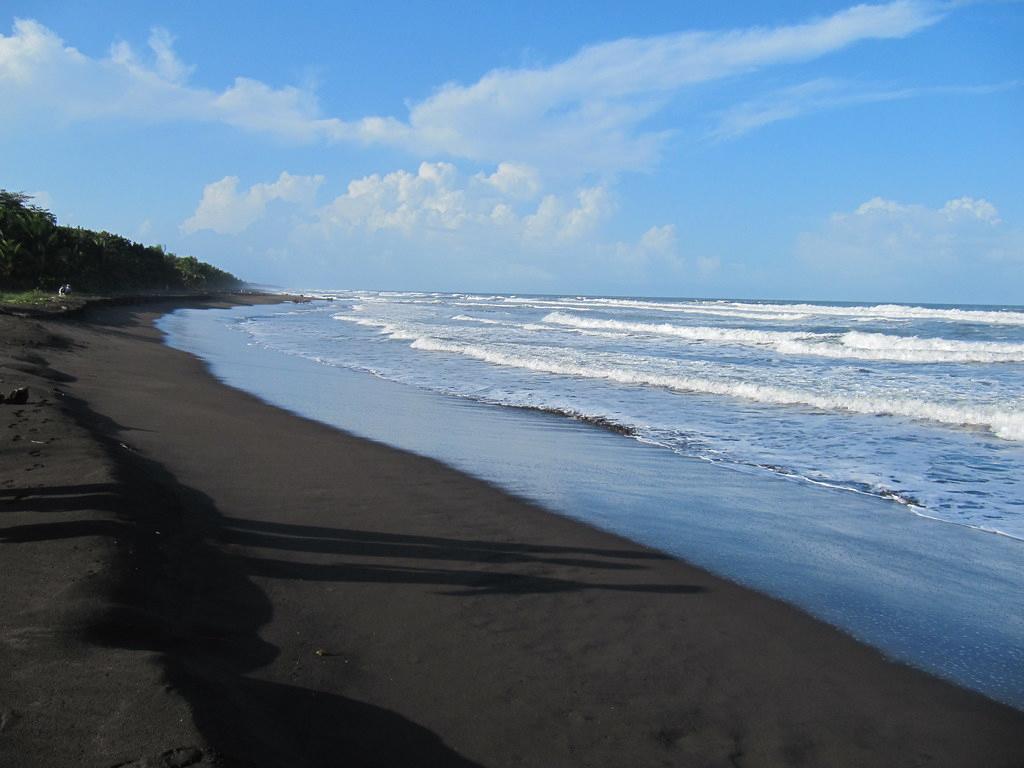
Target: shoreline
933 597
309 596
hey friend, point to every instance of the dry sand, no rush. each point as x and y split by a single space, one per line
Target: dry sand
193 577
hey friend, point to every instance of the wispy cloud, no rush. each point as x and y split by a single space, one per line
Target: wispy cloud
586 114
823 94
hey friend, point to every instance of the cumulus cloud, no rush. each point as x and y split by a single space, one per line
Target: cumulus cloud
437 198
514 180
585 114
884 236
223 210
391 228
632 263
430 198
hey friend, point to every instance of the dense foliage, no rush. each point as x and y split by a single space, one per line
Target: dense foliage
38 253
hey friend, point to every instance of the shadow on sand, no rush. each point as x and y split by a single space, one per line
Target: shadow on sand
179 592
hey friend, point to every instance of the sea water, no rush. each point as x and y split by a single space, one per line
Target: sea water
865 462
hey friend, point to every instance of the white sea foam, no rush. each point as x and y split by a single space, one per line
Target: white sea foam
886 312
688 332
784 312
582 331
390 329
590 305
861 340
1006 424
852 344
910 349
740 309
483 320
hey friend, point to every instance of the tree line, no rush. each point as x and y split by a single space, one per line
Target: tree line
38 253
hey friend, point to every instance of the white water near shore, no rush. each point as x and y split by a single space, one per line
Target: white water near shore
921 405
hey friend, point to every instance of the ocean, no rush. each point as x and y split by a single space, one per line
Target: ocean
865 462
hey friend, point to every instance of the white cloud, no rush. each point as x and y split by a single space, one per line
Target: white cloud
435 226
794 101
39 71
885 237
558 219
166 66
632 263
660 239
823 94
585 114
437 198
29 49
167 63
431 198
514 180
223 210
969 207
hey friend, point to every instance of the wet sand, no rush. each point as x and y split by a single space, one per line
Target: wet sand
194 577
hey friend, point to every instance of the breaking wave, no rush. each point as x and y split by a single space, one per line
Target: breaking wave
1008 425
852 344
483 320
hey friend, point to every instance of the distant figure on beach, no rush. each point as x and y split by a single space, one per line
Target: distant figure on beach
64 290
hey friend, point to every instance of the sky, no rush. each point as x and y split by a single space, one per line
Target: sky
786 150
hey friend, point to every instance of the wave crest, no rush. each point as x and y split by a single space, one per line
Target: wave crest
1008 425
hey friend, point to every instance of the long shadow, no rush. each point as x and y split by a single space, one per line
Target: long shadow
21 534
60 498
369 544
42 371
317 531
179 595
397 547
106 502
475 582
60 490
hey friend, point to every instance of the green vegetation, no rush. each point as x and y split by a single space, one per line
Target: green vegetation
37 256
24 297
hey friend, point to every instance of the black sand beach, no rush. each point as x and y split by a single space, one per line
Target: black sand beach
193 577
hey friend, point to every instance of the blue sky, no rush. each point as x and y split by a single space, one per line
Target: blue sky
785 150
